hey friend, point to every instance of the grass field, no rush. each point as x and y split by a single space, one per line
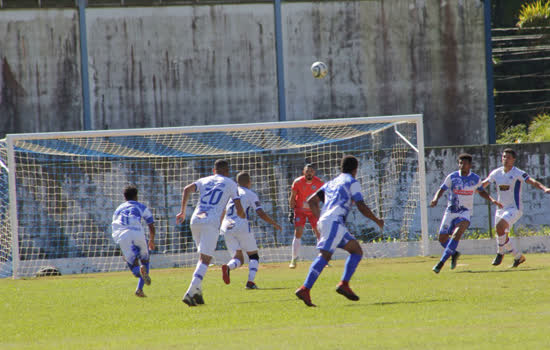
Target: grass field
403 305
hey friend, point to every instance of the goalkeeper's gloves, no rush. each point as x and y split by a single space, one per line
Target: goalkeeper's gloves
291 216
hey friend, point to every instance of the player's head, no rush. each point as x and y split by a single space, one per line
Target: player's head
221 166
349 165
508 157
464 162
130 193
309 172
243 179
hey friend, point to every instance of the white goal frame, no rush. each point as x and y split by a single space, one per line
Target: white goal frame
12 139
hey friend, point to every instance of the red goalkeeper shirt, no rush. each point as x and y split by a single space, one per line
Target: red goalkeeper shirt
304 189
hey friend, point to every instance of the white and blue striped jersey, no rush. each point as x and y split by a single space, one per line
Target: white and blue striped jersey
339 194
127 219
250 202
462 188
509 186
214 191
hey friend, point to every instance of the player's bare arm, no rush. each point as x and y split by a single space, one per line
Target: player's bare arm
239 207
292 199
152 233
314 201
486 196
485 183
437 195
538 185
180 218
263 215
365 210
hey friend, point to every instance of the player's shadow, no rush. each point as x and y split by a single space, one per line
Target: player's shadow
409 302
501 271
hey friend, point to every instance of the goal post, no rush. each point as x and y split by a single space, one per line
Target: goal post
58 191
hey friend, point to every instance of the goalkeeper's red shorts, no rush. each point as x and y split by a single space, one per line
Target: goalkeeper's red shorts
300 216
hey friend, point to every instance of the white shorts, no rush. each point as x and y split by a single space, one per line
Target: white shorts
205 237
510 215
240 240
450 220
133 246
334 234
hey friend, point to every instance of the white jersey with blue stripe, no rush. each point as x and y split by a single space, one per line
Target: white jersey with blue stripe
214 191
127 218
509 186
462 188
250 202
339 195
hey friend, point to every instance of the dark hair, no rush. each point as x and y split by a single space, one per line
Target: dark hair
309 165
243 178
510 152
130 192
221 165
349 164
465 156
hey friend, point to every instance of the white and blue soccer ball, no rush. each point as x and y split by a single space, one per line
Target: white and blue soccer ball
319 69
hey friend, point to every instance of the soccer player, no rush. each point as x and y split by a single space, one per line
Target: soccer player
302 188
237 231
214 191
128 234
462 184
509 180
338 196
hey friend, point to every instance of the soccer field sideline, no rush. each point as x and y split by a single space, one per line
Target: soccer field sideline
403 305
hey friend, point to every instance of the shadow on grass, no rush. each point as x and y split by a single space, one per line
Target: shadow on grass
502 271
410 302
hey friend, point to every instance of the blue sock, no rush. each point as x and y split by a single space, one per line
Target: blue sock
449 250
351 263
315 270
444 245
134 269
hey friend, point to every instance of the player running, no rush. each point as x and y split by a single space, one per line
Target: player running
463 184
338 196
128 234
302 188
237 231
509 180
214 191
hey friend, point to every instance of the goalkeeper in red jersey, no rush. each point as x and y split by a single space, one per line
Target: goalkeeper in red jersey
302 187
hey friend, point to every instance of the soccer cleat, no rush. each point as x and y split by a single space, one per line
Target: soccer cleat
303 294
143 273
139 293
438 267
251 285
292 264
454 259
498 260
518 261
345 290
225 274
189 300
198 299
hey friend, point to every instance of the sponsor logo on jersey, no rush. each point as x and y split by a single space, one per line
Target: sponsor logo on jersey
463 192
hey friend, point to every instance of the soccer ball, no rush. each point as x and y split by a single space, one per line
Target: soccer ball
319 69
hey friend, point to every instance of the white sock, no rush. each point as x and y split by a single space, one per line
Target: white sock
501 240
234 263
252 269
196 282
510 247
296 243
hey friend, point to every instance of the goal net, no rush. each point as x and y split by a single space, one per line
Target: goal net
58 191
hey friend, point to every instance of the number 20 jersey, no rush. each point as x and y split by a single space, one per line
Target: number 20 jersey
214 193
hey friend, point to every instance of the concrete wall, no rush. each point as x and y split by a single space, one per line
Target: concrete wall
214 64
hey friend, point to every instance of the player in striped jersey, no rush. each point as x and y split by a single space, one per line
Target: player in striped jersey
337 195
214 191
463 184
237 231
128 234
509 180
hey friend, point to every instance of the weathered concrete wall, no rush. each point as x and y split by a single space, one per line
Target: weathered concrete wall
40 86
214 64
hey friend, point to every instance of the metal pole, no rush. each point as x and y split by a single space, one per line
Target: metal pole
491 125
86 114
280 63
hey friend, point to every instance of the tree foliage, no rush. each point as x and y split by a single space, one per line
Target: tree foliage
538 131
534 14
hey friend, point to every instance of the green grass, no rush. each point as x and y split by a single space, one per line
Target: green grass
403 305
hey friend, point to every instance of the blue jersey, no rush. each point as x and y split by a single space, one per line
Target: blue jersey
339 195
462 188
127 218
